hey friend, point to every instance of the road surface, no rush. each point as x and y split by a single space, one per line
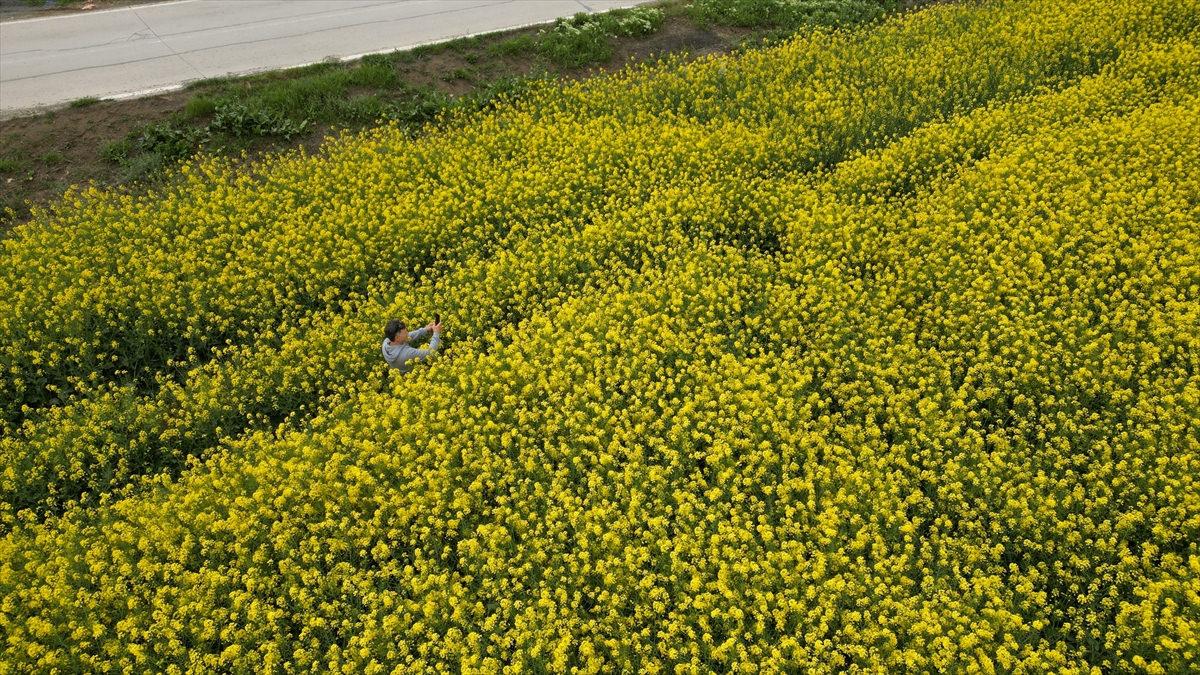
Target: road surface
145 49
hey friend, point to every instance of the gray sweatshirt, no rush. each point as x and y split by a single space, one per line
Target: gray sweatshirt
397 355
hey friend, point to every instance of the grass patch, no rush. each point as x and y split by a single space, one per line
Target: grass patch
142 168
10 165
524 44
117 152
199 106
321 93
425 50
210 82
84 102
461 45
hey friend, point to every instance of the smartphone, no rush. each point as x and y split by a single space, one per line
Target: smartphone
437 318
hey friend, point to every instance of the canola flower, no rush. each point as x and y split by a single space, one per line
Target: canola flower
113 431
221 255
930 406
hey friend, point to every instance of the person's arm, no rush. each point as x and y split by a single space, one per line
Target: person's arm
424 354
418 334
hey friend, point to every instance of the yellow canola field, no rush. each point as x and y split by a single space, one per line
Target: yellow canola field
908 397
106 287
106 401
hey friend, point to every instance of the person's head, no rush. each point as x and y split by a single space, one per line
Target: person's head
396 331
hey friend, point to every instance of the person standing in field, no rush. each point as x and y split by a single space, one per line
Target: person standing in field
396 349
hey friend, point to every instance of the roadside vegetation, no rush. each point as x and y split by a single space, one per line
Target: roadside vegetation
132 142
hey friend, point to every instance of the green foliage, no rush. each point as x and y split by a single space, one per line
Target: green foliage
285 105
632 22
375 71
365 109
117 151
575 42
199 106
145 167
420 108
211 82
153 147
84 102
523 44
172 142
240 120
422 50
462 44
587 38
788 14
493 93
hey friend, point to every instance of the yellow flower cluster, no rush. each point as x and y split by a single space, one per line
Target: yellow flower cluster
143 400
877 350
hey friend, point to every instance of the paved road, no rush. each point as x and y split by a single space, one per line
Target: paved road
143 49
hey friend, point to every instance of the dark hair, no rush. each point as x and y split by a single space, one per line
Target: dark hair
394 326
